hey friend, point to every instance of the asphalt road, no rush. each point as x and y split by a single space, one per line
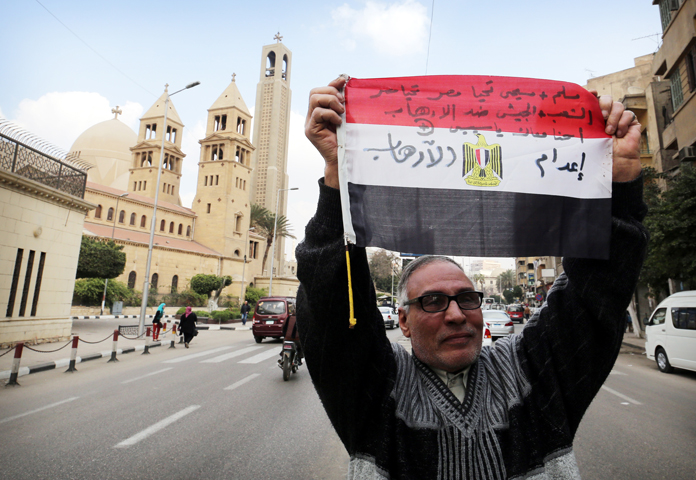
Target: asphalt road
221 410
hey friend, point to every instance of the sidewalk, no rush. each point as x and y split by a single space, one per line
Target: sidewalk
56 355
632 344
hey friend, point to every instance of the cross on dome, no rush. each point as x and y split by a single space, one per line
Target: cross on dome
233 75
278 38
166 87
116 111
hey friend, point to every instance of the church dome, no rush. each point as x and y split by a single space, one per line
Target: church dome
106 148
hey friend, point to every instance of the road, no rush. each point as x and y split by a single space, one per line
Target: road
221 410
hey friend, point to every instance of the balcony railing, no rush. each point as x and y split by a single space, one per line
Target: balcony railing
21 159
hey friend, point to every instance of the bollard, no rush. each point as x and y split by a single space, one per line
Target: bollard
73 355
171 344
146 350
113 348
15 366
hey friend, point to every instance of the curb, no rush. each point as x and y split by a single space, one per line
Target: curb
42 367
111 317
632 346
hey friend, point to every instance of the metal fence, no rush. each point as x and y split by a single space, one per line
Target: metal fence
21 159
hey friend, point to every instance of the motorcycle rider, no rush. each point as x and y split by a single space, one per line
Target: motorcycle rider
290 334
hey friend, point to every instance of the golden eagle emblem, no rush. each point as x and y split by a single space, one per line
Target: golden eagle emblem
483 163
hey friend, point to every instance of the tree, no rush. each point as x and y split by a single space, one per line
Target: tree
253 294
517 292
210 285
671 221
89 291
507 279
382 264
100 259
509 296
265 223
479 278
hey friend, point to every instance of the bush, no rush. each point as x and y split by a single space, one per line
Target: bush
202 313
253 294
221 315
89 291
187 298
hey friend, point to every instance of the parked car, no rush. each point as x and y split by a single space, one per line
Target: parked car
270 315
671 333
391 319
499 323
516 313
487 337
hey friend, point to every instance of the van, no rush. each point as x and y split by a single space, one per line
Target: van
270 315
671 333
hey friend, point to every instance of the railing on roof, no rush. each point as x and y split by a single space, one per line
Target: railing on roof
37 161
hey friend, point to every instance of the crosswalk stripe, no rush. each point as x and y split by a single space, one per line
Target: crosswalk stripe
260 357
148 375
227 356
242 381
197 355
156 427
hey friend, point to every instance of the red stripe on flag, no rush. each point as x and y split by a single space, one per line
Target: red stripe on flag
525 106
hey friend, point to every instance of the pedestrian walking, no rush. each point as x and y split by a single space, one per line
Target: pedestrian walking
245 311
157 322
629 322
526 313
187 326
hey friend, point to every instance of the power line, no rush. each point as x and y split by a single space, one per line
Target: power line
90 47
430 34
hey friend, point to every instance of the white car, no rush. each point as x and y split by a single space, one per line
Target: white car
499 323
391 319
487 337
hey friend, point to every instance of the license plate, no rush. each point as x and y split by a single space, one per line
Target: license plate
270 322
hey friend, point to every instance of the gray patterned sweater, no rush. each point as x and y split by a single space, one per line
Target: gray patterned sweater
525 397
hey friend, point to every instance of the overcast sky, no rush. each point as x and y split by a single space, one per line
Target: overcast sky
57 85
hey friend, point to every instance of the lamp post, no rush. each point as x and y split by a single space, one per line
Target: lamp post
113 228
275 227
146 283
246 248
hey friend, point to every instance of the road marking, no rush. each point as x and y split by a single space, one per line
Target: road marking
196 355
156 427
621 395
227 356
616 372
148 375
260 357
242 381
14 417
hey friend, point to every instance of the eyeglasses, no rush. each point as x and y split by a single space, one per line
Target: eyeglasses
439 302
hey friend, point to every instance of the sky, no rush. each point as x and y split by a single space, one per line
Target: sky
67 63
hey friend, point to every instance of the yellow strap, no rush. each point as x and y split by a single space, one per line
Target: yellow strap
352 320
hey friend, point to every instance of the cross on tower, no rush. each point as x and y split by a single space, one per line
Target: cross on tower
278 38
233 75
166 87
116 111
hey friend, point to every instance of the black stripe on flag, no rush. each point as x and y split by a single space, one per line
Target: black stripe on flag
479 223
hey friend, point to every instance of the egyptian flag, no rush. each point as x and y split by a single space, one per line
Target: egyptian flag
475 166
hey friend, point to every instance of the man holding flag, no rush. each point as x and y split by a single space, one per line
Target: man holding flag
454 409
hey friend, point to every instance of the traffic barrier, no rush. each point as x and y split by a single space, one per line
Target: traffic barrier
171 345
146 350
15 366
73 355
114 347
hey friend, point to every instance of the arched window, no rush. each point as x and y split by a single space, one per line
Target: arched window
188 231
122 216
132 220
175 283
171 227
162 225
97 212
270 64
181 228
131 280
143 221
285 67
155 279
110 215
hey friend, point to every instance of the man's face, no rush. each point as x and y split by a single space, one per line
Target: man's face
449 340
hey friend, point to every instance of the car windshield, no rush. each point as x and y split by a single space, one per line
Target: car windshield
492 315
270 307
516 309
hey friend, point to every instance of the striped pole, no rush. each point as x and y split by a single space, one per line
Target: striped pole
73 355
171 344
15 366
146 350
114 346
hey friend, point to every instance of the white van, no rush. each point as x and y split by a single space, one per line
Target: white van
671 333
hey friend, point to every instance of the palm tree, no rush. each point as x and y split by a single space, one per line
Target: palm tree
479 278
265 223
507 279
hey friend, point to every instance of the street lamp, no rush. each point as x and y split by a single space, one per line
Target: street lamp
106 280
146 283
246 248
275 227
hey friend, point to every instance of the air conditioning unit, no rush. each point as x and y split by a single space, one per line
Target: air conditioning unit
687 154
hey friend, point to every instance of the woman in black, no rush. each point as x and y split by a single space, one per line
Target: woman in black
187 326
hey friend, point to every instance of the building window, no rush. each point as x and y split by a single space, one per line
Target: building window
143 220
676 88
162 225
237 223
241 125
220 122
691 68
97 212
285 67
27 282
110 215
132 219
205 184
37 286
208 209
171 227
135 186
145 185
188 231
150 131
217 177
181 228
171 134
175 283
15 282
131 280
155 279
270 64
122 216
